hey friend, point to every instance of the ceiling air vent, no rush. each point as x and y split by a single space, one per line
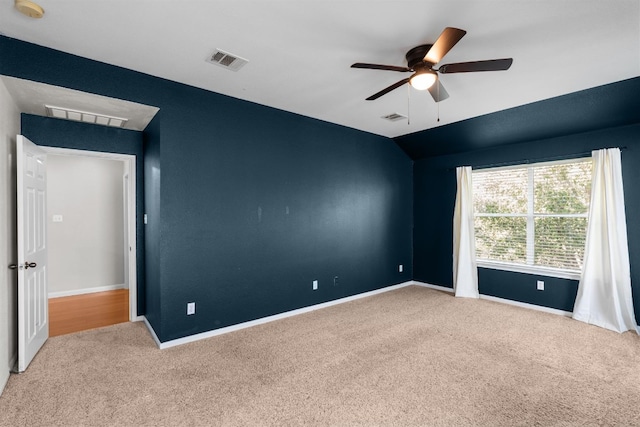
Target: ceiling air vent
227 60
394 117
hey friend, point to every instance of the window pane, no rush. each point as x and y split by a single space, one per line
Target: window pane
500 191
559 242
501 238
562 188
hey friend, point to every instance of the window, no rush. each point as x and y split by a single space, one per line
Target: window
533 218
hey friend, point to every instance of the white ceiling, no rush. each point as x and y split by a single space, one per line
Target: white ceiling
300 51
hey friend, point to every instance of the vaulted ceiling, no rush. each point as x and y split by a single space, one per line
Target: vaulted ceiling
300 51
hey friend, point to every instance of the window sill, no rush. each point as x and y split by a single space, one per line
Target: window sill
529 269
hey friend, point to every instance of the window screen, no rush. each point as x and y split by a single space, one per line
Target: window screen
533 215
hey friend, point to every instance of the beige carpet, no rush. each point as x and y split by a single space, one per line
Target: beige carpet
414 356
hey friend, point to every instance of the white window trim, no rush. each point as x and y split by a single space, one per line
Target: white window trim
530 268
535 270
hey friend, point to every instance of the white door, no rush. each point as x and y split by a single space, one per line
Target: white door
33 325
127 231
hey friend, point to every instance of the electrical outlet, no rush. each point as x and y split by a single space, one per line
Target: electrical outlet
400 268
191 308
315 285
540 285
335 281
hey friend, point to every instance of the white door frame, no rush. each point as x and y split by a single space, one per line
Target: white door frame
130 169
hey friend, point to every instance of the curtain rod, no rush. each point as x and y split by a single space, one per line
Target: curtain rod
540 160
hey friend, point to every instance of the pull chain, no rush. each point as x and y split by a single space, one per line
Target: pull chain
408 105
438 89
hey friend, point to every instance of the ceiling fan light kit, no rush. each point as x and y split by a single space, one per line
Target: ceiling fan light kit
29 8
421 60
423 80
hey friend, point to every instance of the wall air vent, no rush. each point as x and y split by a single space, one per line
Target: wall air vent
227 60
85 116
394 117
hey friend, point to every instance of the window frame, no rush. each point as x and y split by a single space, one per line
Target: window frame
530 216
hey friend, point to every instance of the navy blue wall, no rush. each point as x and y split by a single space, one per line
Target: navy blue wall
612 105
257 203
82 136
434 199
254 203
153 290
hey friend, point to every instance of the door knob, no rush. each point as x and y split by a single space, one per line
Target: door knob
25 266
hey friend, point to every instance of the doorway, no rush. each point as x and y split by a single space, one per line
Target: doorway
91 234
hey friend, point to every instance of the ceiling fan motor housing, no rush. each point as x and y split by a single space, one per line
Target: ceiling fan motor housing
415 57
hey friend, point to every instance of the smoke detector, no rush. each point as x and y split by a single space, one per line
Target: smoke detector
226 60
29 8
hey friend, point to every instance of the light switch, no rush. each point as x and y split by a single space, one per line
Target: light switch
57 218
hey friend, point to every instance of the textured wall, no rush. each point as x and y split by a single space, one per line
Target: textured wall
256 203
434 195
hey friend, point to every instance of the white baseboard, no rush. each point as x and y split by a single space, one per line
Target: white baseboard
429 285
13 363
4 380
86 291
261 321
503 300
152 332
529 306
239 326
9 369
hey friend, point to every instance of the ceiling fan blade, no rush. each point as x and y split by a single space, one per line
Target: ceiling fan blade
438 92
387 90
467 67
380 67
447 39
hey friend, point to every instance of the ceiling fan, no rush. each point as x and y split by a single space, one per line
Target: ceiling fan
421 60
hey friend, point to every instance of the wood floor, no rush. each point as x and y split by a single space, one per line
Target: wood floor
81 312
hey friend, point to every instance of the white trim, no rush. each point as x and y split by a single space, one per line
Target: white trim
502 300
130 168
58 151
529 306
529 269
239 326
9 369
13 363
3 384
261 321
152 332
429 285
86 291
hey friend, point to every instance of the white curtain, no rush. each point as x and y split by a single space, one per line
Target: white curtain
465 271
604 292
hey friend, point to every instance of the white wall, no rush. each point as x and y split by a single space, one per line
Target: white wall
86 249
9 128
